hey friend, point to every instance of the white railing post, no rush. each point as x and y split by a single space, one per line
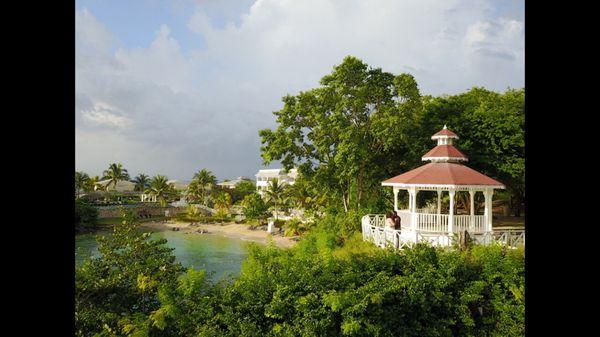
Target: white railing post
472 203
439 206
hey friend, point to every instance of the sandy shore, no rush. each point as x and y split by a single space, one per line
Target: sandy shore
227 229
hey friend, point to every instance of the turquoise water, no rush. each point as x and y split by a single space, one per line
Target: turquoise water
218 255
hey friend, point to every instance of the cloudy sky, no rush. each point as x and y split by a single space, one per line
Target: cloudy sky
170 87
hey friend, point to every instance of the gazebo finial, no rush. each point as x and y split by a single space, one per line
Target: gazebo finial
445 128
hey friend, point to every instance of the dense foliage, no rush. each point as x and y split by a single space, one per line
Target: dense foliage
254 207
120 288
321 287
241 190
86 216
363 125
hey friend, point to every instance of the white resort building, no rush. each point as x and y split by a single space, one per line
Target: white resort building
444 174
263 178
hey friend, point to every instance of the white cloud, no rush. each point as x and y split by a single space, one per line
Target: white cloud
204 108
502 38
102 114
162 63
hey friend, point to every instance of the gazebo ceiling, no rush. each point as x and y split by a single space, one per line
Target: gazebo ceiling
443 174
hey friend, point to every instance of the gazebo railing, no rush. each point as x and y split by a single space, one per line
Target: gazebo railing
377 220
382 237
509 238
432 222
427 210
373 229
466 223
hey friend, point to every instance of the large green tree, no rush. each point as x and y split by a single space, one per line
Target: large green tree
347 134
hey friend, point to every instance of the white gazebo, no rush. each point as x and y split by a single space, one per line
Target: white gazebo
444 173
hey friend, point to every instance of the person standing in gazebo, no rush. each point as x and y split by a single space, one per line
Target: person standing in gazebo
389 221
397 221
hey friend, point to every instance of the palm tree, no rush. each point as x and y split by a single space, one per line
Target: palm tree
223 202
141 182
92 184
160 188
300 195
195 192
202 180
114 174
276 195
205 177
81 180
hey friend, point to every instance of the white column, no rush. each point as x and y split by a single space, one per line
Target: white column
451 212
413 208
488 209
395 198
472 203
439 206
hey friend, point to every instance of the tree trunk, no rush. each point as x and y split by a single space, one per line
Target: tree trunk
345 202
359 187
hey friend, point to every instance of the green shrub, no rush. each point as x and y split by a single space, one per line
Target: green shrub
254 207
324 286
293 227
117 292
86 216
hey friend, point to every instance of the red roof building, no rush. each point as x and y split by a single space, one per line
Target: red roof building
444 173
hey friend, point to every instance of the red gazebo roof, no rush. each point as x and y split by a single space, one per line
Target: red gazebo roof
444 132
444 169
444 174
444 151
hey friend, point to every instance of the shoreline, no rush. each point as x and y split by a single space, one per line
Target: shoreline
231 229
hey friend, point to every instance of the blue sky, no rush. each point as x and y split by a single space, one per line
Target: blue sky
173 86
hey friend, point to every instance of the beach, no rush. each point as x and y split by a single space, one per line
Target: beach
233 230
